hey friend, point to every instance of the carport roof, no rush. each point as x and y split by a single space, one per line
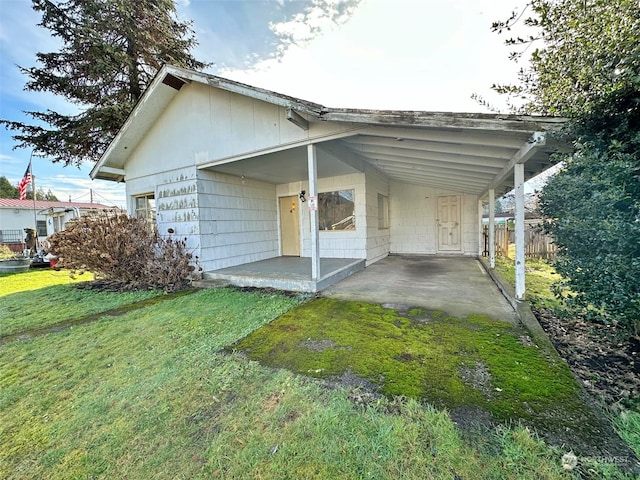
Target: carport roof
464 152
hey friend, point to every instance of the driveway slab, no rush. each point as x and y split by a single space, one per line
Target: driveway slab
458 286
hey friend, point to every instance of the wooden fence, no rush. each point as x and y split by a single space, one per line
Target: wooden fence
537 244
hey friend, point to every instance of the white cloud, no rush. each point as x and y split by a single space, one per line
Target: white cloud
414 55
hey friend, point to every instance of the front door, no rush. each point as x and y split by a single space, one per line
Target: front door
448 221
290 226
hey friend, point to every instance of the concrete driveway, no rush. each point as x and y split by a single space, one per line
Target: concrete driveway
457 285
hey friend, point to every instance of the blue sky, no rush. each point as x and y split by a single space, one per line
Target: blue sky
388 54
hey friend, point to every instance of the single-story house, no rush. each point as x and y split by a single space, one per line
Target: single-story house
247 174
47 217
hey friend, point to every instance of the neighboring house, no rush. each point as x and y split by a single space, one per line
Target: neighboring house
247 174
47 216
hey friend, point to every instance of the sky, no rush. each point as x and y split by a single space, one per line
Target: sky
430 55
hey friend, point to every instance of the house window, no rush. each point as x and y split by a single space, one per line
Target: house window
383 211
336 210
145 206
41 226
58 223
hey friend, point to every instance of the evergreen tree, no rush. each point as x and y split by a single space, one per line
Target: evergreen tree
111 51
587 68
7 190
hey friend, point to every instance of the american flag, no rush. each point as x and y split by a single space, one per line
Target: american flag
26 180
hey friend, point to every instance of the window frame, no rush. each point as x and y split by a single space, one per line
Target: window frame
149 213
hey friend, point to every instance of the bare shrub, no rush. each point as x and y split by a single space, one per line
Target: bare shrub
125 252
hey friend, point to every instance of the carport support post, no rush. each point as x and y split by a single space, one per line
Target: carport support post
313 213
518 178
492 228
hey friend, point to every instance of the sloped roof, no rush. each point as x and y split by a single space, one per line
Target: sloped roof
44 204
466 152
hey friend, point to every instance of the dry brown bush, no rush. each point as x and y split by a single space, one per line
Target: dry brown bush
124 252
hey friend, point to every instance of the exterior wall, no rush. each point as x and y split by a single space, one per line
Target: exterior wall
413 220
204 124
470 225
18 218
12 218
238 220
334 244
176 198
378 239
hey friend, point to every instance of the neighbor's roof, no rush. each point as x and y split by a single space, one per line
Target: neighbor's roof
426 148
43 204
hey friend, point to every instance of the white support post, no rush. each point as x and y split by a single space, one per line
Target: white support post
313 213
492 228
518 177
480 228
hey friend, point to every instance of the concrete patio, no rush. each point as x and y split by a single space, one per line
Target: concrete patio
287 273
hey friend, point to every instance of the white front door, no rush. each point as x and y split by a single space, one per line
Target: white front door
448 224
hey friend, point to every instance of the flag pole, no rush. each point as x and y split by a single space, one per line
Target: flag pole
33 188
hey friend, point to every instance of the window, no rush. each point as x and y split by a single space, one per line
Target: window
58 223
145 206
41 226
336 210
383 211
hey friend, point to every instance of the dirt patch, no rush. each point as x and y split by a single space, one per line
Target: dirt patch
317 345
478 377
608 367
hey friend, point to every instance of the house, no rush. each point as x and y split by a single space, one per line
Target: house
248 175
47 217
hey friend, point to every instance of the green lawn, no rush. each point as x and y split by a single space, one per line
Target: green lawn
150 394
41 298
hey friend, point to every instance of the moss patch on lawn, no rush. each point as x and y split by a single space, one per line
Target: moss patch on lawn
456 363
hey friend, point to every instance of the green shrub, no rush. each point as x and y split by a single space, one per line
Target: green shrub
124 252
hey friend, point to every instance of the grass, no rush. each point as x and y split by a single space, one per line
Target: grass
539 278
151 394
41 298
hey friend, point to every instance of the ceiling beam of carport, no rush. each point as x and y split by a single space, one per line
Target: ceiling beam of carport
401 152
452 168
424 173
442 185
511 140
499 152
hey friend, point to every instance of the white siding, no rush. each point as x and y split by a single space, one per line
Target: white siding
470 225
378 240
204 124
176 198
18 219
413 220
238 220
